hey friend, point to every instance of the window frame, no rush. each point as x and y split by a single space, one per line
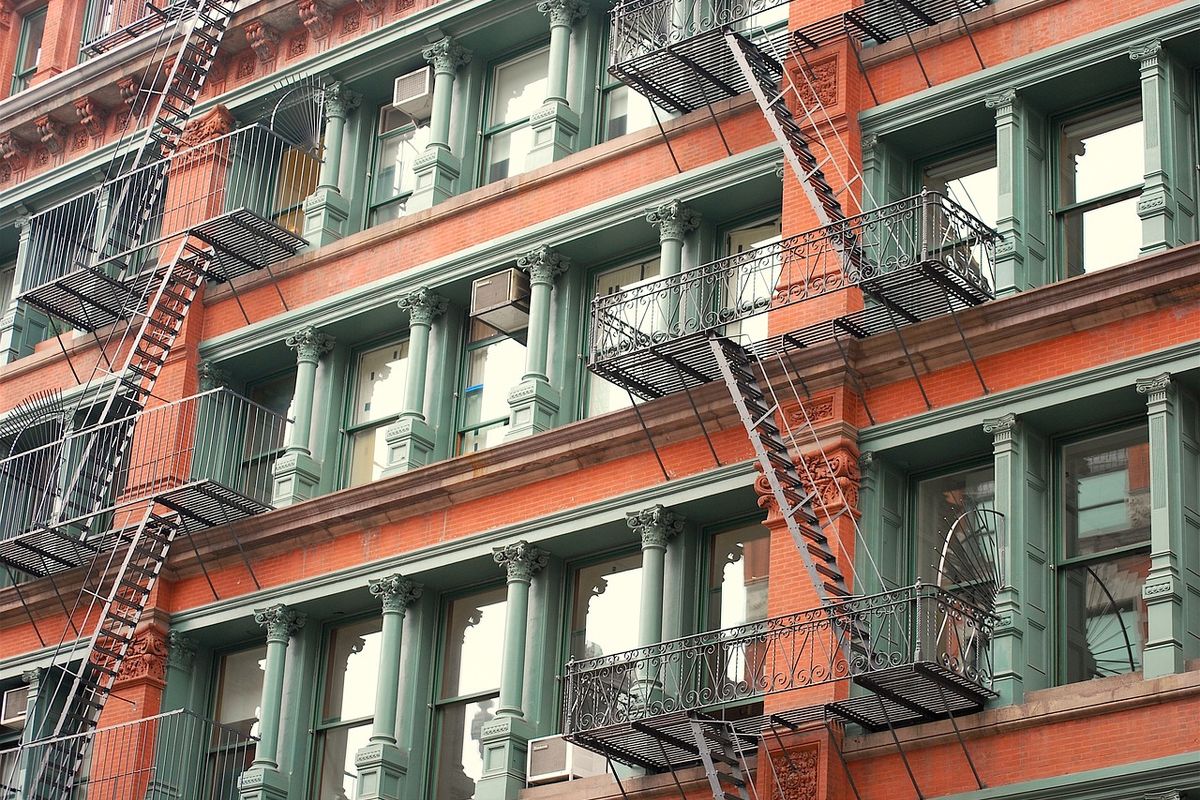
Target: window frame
349 428
20 80
379 137
461 428
214 687
969 153
488 131
250 386
725 230
913 512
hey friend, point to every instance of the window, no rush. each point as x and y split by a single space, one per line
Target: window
626 111
603 396
518 89
7 274
972 181
751 286
401 140
347 705
495 364
238 695
274 394
297 178
379 379
944 502
1100 176
605 602
1105 512
29 49
738 575
470 686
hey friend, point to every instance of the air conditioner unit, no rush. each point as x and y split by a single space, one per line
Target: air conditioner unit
13 707
412 94
501 301
553 759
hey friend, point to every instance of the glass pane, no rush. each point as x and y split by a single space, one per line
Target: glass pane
753 285
625 110
298 174
275 394
339 775
739 572
239 689
971 181
1105 617
353 662
941 504
473 644
6 284
1102 154
491 371
1102 237
31 45
508 152
519 88
460 751
602 395
482 438
379 383
368 455
394 168
605 606
1106 492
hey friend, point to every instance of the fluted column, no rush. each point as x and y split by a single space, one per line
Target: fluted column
382 765
410 440
534 403
437 169
327 209
555 125
263 781
297 473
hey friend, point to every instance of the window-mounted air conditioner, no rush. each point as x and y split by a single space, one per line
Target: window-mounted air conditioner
13 706
501 301
412 94
552 759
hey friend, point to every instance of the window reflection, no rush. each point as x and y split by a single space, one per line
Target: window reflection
518 89
379 382
347 706
603 396
941 503
604 610
751 286
495 364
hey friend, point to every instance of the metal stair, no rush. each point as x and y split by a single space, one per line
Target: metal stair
720 753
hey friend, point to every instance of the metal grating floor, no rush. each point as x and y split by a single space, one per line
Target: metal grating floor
244 242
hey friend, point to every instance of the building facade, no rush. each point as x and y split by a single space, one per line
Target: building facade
791 400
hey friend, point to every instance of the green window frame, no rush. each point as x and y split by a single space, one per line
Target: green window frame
270 393
399 139
29 49
753 286
599 396
599 571
378 366
506 128
8 275
483 401
962 486
221 769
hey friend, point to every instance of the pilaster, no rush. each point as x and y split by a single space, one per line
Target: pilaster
1021 219
13 316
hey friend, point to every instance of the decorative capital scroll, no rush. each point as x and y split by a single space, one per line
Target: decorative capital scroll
521 560
1003 101
51 132
280 621
395 592
317 18
340 101
422 305
869 143
674 219
543 264
263 40
1155 388
309 344
33 678
866 460
1001 428
563 12
656 525
446 55
181 651
91 115
211 376
836 476
1146 53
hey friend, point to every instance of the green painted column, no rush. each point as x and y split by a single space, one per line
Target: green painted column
263 781
656 526
1167 206
296 472
505 738
382 766
175 774
326 210
1021 254
555 125
410 440
1163 591
437 169
533 402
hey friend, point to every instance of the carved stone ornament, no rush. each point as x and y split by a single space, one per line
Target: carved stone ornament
298 45
317 18
280 621
146 658
129 89
1155 388
1146 53
818 81
395 592
217 122
309 343
422 305
1001 428
211 376
51 132
543 264
521 560
563 12
656 525
1003 101
446 55
181 650
340 101
372 8
263 40
836 476
91 116
798 774
674 219
817 409
14 151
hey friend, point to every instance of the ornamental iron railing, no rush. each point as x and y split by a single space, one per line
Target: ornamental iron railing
920 625
177 755
108 230
923 231
216 444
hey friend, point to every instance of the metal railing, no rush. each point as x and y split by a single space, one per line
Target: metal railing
640 27
925 229
176 755
115 226
216 437
105 17
920 624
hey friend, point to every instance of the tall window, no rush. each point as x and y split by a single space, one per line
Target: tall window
495 364
603 396
604 607
7 274
274 394
1105 512
347 705
29 49
750 287
971 180
401 140
236 707
739 573
626 111
296 179
944 503
518 89
469 688
379 379
1100 176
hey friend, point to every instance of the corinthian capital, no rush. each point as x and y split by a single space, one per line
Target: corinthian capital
543 264
422 306
563 12
395 592
446 55
339 100
280 621
521 560
656 525
674 219
309 343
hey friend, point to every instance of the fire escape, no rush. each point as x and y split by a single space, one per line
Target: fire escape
105 484
914 653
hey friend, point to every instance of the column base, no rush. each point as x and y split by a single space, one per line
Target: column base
381 772
505 742
1155 210
410 445
436 172
533 405
325 215
262 783
296 477
1163 652
554 127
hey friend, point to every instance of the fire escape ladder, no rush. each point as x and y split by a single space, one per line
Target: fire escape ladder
720 753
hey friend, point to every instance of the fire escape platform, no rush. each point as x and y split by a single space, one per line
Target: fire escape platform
244 242
139 27
207 504
48 551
